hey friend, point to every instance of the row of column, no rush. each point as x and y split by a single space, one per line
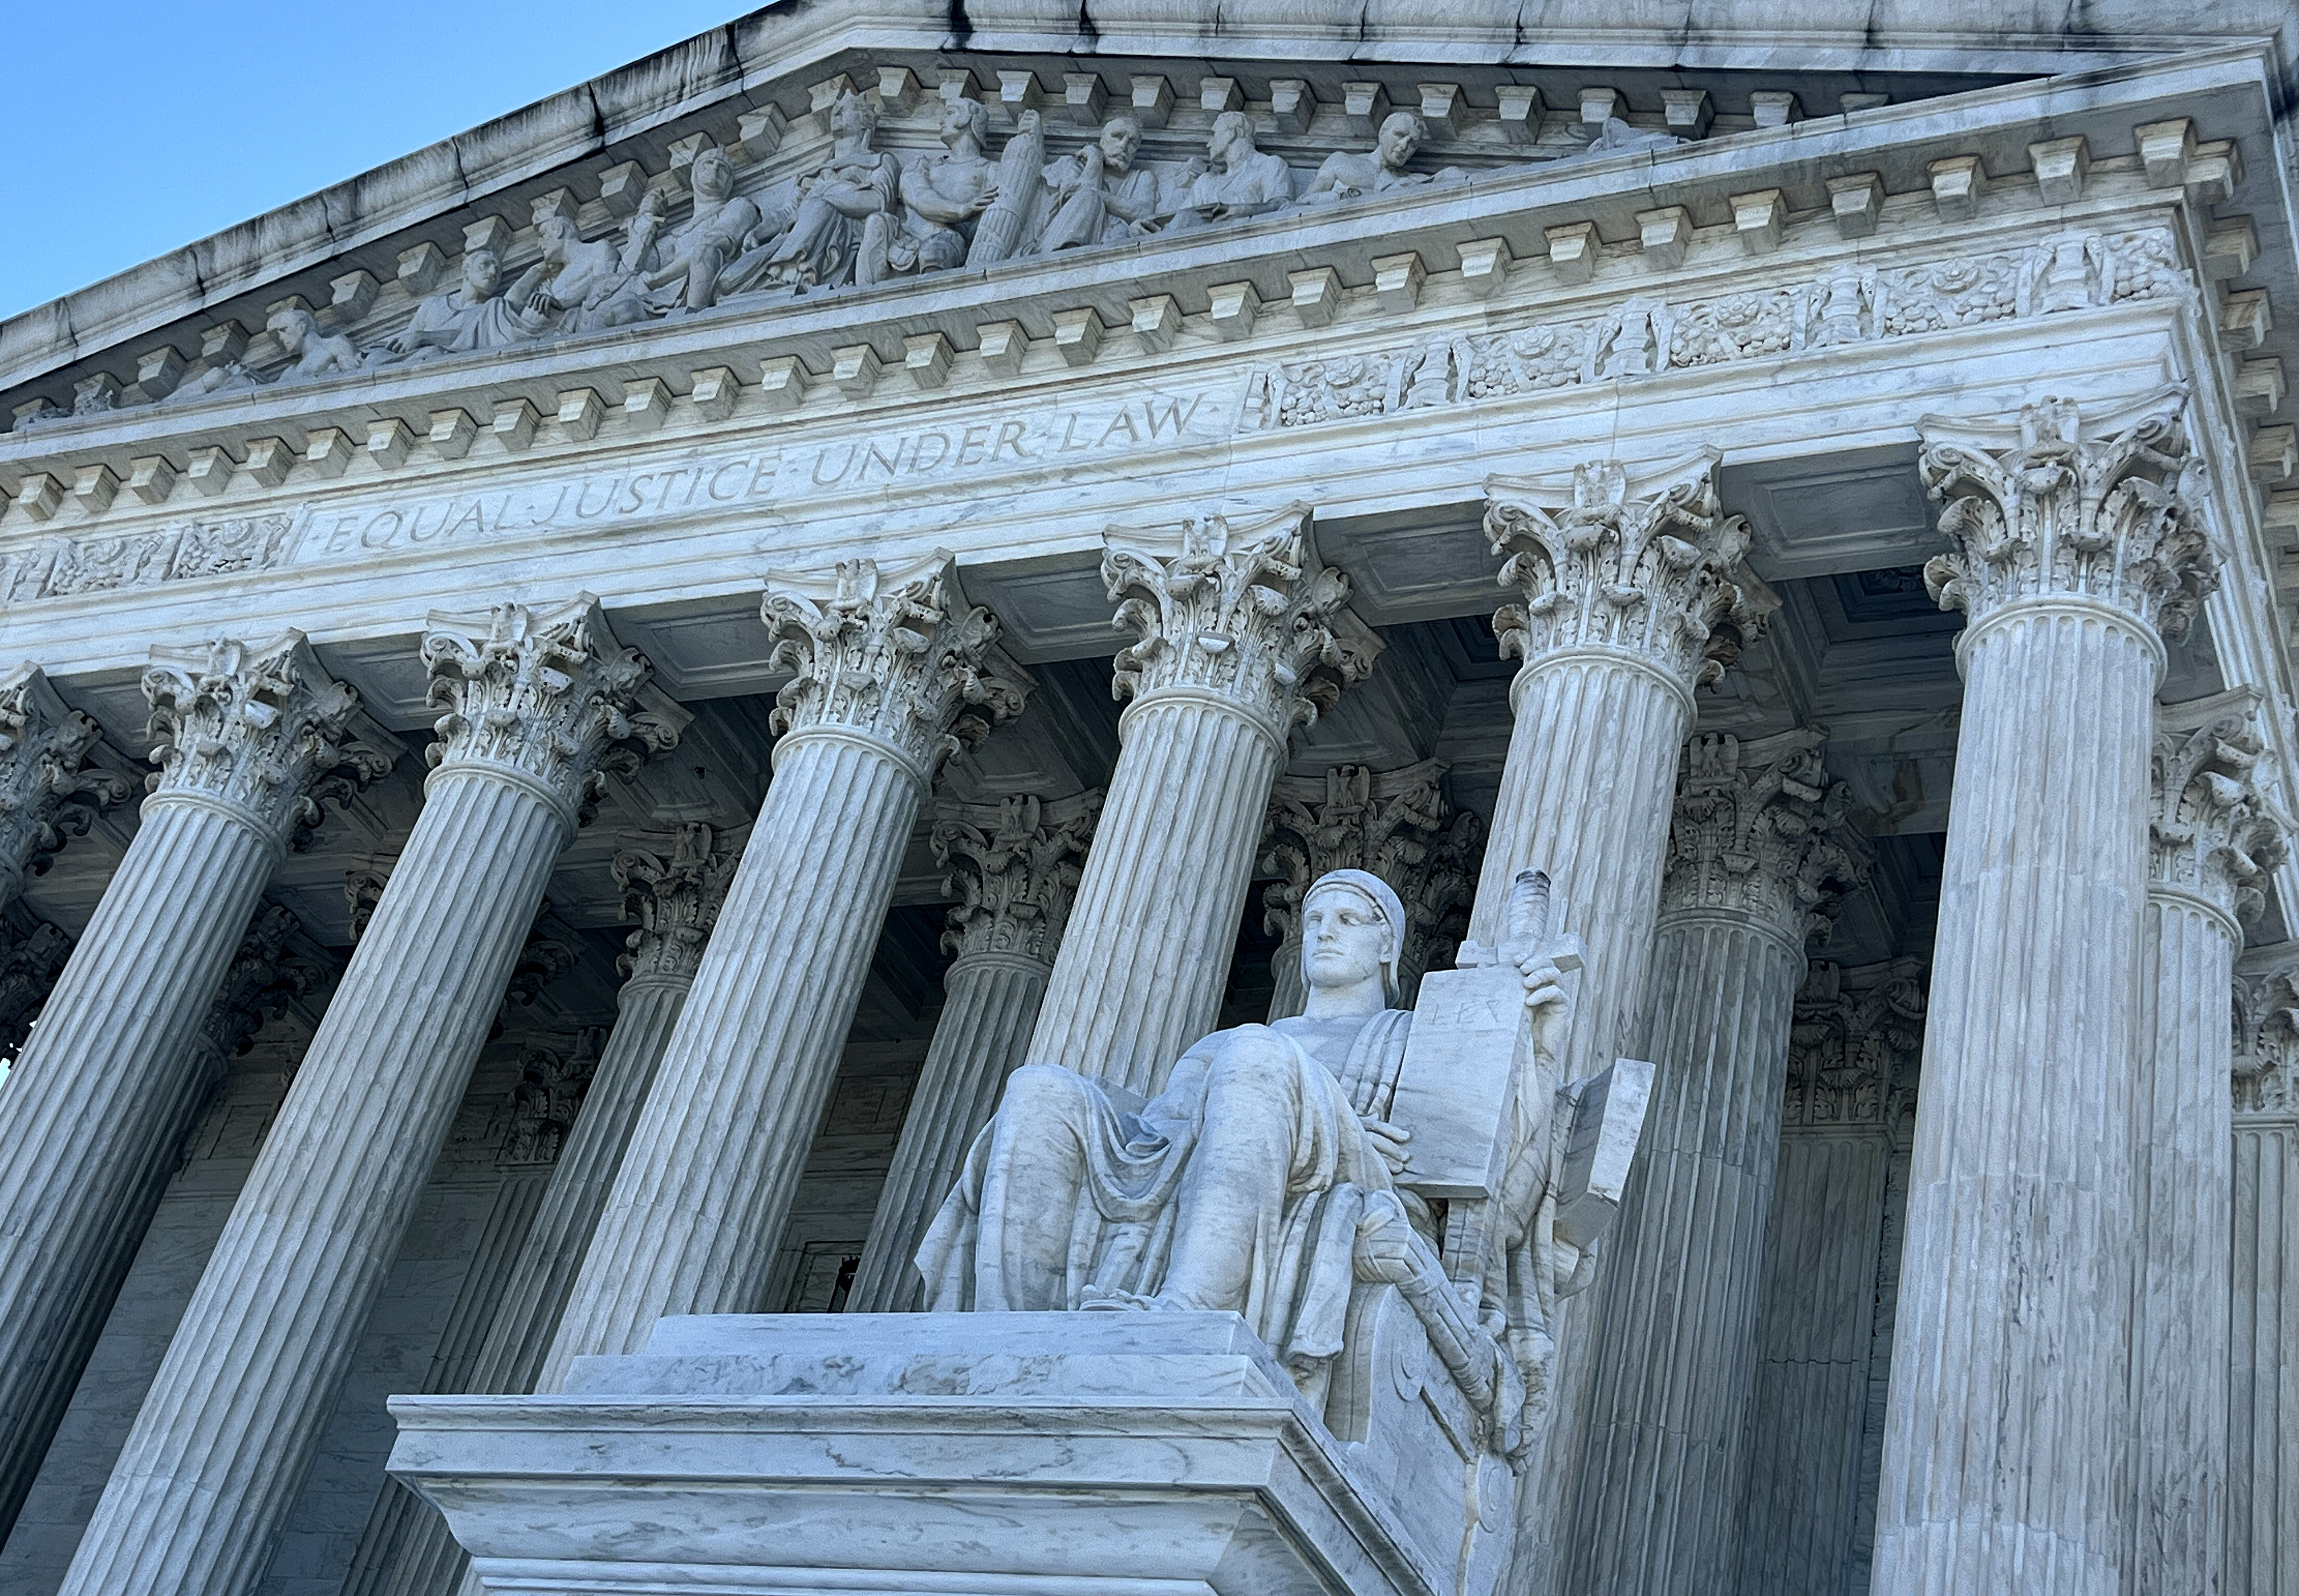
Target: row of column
2074 556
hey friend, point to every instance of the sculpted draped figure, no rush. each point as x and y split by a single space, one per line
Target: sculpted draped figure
1266 1179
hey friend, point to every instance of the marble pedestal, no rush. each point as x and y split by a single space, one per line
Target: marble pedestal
1080 1454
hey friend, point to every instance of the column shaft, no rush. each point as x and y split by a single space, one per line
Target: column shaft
2008 1433
525 1315
1141 968
2263 1407
227 1433
991 1005
2182 1134
1660 1495
690 1227
99 1099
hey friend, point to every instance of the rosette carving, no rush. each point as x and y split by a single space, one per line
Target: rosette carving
1648 564
1014 871
548 694
675 887
47 792
2057 506
2210 831
898 658
263 731
1240 613
1761 829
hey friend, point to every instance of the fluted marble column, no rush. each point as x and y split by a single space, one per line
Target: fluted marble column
106 1089
2007 1442
2211 843
892 675
2263 1384
1851 1088
1633 594
1759 848
1397 824
676 890
1014 871
536 703
1242 637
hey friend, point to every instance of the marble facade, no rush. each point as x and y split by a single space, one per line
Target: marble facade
575 709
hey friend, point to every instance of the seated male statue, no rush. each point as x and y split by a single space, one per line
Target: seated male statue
1262 1180
938 194
1347 175
1242 180
471 315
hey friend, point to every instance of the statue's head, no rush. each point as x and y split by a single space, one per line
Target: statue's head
1400 139
559 236
965 119
482 271
850 113
1231 135
1352 930
293 329
1121 137
713 175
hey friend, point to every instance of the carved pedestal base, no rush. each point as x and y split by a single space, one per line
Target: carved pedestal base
1087 1454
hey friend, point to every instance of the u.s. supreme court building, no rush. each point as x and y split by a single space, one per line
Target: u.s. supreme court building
1160 799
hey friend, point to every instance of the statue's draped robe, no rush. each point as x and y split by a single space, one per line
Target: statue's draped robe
1122 1173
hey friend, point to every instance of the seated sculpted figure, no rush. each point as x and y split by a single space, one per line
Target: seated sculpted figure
1261 1180
579 284
1100 195
469 316
1241 181
825 235
1346 176
683 265
311 352
938 193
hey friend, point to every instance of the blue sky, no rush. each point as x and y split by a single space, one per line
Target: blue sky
131 127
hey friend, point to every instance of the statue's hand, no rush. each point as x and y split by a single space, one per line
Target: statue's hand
1384 1250
1390 1141
1546 1003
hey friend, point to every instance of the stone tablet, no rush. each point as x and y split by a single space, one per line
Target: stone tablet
1458 1082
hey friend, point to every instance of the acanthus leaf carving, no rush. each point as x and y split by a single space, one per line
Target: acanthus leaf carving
897 657
1014 871
547 694
263 731
27 972
2265 1072
1651 565
2056 505
1855 1044
2210 831
675 887
552 949
1398 825
1761 828
265 976
1240 613
48 792
549 1095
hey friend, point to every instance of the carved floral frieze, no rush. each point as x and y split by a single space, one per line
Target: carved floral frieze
1646 334
181 551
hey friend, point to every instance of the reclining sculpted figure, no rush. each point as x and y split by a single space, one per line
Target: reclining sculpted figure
1266 1178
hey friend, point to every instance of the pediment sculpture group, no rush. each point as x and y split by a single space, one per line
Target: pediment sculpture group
865 216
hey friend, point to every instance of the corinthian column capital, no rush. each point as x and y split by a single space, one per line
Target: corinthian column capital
262 733
1242 614
27 970
544 697
676 887
1014 869
2059 506
1647 564
2266 1065
895 658
46 792
1761 829
2210 830
1855 1044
